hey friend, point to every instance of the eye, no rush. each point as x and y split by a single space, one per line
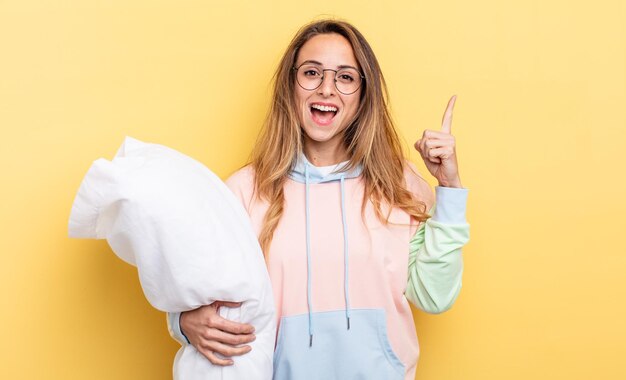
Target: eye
311 72
346 76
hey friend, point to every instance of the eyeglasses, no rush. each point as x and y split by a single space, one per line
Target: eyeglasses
347 80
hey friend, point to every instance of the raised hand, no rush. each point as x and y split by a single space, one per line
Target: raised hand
438 150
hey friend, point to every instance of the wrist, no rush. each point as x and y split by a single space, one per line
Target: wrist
180 327
456 183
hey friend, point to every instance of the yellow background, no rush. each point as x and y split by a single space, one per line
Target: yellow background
540 124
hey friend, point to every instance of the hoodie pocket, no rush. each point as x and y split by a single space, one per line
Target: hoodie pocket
362 353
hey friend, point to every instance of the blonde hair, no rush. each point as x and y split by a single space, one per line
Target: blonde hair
370 140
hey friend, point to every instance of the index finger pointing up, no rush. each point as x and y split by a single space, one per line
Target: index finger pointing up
446 123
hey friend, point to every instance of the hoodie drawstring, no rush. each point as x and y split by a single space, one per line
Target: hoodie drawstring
346 261
346 286
308 253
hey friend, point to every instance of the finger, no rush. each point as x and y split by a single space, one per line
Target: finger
442 153
214 359
226 350
446 123
419 146
232 339
229 326
227 304
437 143
430 134
423 148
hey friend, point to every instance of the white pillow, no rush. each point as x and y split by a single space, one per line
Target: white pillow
190 239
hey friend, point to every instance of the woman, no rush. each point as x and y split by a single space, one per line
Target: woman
343 220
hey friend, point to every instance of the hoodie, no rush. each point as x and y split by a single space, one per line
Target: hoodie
342 279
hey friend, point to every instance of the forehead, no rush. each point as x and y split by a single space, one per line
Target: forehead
331 50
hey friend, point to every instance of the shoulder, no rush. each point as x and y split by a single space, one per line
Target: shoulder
243 177
417 185
241 183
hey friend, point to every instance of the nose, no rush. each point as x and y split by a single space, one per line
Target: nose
327 88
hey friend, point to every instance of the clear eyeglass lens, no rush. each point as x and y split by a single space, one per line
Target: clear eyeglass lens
347 80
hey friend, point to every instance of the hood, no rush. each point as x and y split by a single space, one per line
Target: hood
315 176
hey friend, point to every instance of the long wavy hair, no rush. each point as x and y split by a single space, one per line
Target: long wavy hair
370 140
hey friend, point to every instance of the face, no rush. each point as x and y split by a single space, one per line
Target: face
325 112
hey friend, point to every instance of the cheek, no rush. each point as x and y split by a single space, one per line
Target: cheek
299 106
301 100
300 95
352 106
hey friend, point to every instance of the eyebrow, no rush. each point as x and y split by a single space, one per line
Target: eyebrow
313 62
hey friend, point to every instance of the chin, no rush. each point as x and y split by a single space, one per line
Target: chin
320 134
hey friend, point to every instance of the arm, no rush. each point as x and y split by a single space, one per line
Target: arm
435 260
173 326
211 334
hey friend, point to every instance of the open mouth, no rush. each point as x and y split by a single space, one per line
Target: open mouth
323 114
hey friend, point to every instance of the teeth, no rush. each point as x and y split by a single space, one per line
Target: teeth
324 108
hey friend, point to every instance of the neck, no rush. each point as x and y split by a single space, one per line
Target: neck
323 154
